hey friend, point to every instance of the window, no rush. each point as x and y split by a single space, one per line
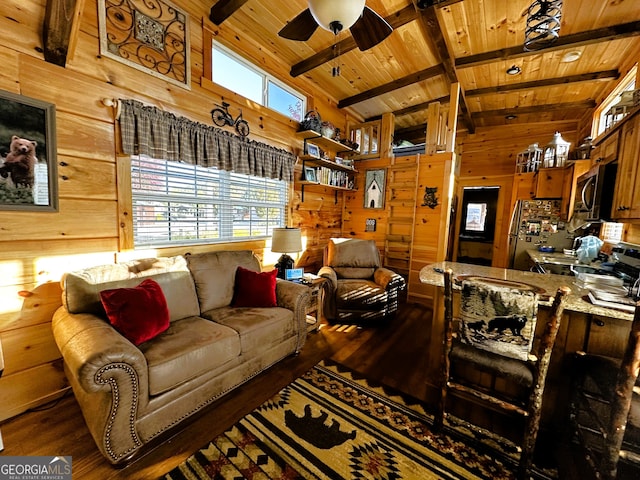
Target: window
476 216
628 83
242 77
176 204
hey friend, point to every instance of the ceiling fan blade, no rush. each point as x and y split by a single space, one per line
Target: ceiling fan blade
370 29
300 28
223 9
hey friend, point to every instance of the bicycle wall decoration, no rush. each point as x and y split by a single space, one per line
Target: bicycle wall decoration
221 117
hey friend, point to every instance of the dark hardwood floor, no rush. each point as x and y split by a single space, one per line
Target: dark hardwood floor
393 354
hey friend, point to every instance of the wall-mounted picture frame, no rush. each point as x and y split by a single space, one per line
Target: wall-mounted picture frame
313 150
28 173
310 174
374 187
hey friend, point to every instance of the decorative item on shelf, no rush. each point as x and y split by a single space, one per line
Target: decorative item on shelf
336 136
584 150
313 150
328 130
529 159
310 175
617 112
543 24
349 144
338 160
285 240
556 153
347 162
311 121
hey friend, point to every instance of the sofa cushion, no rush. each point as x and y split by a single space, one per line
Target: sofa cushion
259 328
82 288
139 313
254 289
214 274
189 348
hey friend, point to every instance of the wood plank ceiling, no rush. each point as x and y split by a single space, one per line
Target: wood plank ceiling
470 41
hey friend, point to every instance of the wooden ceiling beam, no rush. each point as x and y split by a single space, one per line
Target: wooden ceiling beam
412 108
223 9
584 105
548 82
393 85
429 22
614 32
396 20
60 29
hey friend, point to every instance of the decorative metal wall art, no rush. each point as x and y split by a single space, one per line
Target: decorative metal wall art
430 200
149 35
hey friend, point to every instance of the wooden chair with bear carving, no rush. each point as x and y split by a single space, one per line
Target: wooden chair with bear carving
488 359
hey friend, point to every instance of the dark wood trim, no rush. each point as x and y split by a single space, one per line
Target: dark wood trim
549 82
615 32
223 9
394 85
536 109
396 20
431 27
60 21
413 108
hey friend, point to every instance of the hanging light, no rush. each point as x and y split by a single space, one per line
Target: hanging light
543 24
336 15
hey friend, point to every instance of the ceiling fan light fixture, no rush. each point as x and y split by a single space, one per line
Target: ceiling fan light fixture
332 13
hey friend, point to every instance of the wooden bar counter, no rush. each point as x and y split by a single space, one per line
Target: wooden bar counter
584 326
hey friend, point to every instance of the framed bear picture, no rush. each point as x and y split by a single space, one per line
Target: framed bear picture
28 178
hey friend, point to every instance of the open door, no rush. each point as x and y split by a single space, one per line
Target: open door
477 225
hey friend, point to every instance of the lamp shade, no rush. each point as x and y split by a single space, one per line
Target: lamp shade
286 240
329 13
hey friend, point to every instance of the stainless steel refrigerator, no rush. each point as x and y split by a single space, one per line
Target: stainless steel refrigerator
535 223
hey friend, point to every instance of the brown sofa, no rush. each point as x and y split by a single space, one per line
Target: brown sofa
130 395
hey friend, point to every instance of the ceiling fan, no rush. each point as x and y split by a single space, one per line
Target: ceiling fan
366 26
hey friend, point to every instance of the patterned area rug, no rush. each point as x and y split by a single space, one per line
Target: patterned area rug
331 424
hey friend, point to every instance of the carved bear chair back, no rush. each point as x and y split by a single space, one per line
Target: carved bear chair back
495 334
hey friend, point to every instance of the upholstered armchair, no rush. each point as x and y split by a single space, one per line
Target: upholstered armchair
359 289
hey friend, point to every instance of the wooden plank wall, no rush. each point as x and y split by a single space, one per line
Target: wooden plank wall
39 247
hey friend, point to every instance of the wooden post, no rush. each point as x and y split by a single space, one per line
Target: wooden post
452 121
385 142
433 119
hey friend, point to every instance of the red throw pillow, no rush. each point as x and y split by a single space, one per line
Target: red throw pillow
138 313
254 289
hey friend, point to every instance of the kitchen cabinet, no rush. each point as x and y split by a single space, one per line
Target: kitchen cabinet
571 174
607 150
626 201
548 183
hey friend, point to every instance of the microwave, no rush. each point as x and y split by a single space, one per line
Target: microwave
593 198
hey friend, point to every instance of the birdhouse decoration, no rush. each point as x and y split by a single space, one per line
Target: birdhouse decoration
529 159
556 152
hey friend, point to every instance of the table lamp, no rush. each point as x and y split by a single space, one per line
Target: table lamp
285 240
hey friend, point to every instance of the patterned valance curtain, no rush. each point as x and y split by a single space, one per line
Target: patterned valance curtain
147 130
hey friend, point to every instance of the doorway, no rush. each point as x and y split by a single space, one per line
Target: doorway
477 227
